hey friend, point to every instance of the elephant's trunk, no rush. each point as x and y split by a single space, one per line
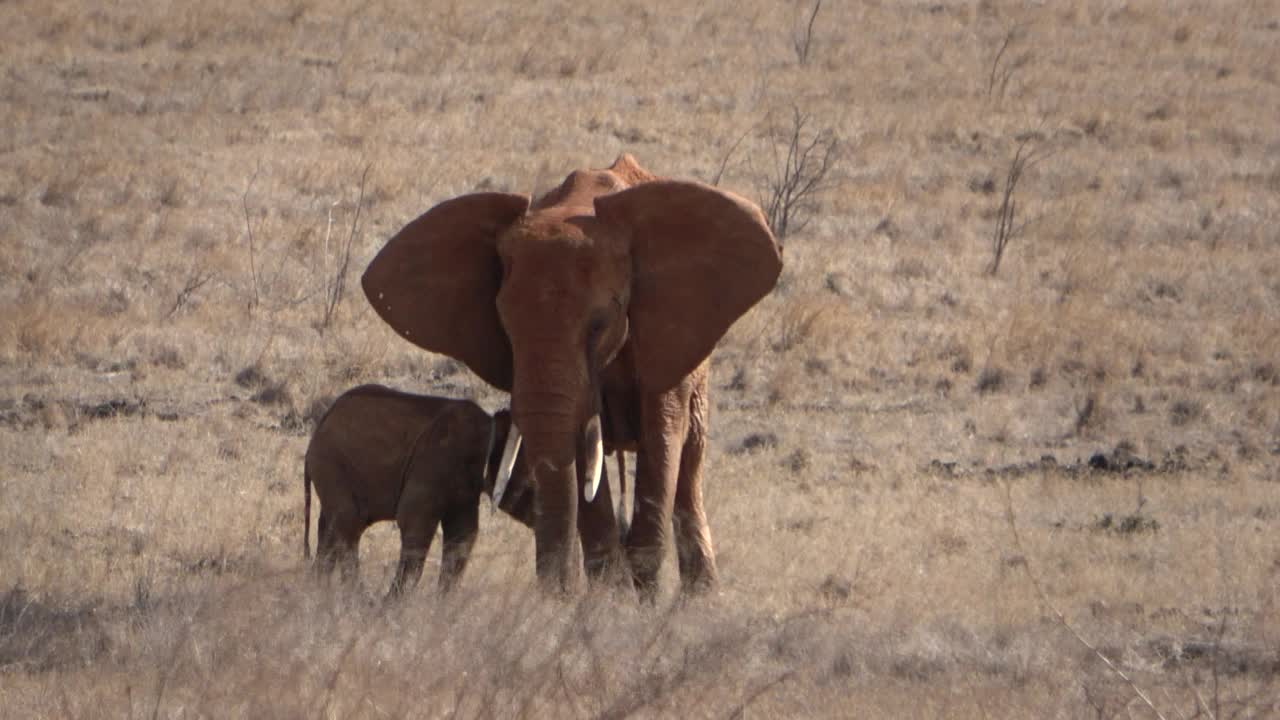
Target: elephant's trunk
555 404
551 458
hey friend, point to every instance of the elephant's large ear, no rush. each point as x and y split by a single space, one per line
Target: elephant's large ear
700 259
435 283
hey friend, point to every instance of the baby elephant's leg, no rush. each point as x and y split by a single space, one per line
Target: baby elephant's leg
323 563
337 544
416 532
461 525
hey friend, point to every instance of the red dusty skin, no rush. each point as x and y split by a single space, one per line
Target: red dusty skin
551 457
558 446
546 405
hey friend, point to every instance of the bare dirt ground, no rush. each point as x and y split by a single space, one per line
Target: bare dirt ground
1051 491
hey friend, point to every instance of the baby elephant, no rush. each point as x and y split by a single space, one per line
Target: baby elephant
380 454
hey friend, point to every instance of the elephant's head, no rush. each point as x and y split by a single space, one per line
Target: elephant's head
538 300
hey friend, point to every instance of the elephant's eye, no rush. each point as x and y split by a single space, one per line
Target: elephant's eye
595 329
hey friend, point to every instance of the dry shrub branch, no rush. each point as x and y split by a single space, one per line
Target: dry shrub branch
335 285
1000 75
802 39
197 277
248 228
1006 229
802 160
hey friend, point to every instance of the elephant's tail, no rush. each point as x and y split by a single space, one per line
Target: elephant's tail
306 513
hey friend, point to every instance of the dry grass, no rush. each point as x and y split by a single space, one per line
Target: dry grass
879 418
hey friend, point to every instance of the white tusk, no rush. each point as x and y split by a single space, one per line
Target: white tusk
595 458
488 449
508 462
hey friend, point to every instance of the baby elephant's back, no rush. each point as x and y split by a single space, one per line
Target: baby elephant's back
363 444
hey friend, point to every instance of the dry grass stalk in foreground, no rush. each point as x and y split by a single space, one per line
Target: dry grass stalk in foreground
279 646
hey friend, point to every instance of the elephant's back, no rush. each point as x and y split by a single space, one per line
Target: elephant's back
365 439
370 402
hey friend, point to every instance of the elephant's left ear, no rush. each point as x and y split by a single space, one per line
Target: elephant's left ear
701 258
435 282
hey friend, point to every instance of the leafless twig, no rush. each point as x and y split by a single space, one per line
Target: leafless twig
740 712
803 39
338 283
999 75
248 226
724 160
801 161
1005 230
198 277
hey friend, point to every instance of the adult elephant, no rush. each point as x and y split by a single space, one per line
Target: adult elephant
597 308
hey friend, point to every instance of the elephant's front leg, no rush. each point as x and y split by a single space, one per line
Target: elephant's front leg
461 526
413 555
408 570
664 423
418 516
598 531
693 536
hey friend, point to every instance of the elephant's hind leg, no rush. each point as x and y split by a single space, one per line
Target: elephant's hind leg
349 559
338 545
320 565
327 550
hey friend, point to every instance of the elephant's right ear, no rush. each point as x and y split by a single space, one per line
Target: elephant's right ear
436 282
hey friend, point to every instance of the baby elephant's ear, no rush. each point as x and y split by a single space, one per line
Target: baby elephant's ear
436 282
701 258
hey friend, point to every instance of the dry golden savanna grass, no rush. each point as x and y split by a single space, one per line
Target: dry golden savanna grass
899 479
